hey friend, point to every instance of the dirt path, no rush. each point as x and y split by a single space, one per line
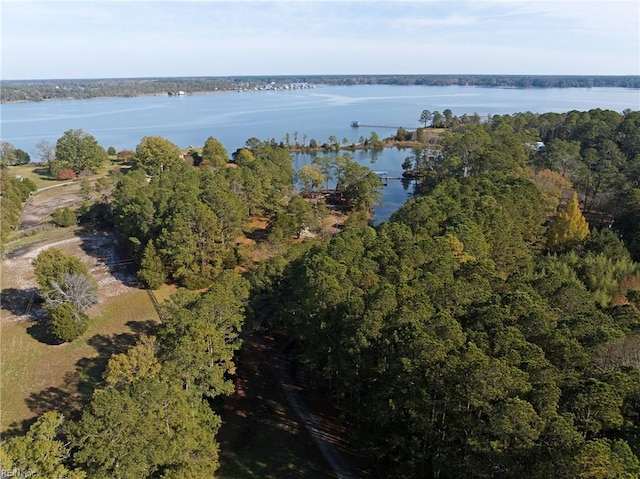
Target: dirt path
46 200
281 368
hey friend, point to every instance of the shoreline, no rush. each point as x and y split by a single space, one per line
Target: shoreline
165 94
107 97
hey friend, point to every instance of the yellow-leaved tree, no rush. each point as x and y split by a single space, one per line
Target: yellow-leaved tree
569 227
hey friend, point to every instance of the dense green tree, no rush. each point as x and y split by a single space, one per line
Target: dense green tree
327 167
311 177
67 322
78 151
137 363
228 206
360 187
13 192
151 271
64 217
425 117
155 154
552 186
199 337
51 265
455 345
564 157
150 428
214 153
606 459
68 289
437 120
191 244
11 156
133 208
628 134
40 453
291 220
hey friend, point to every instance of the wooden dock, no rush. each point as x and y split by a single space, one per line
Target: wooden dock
357 124
383 175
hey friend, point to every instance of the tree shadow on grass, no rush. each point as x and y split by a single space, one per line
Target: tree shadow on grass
107 249
78 386
66 398
45 174
19 302
27 304
41 332
18 428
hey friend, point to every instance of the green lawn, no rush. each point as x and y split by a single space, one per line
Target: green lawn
37 377
40 176
37 174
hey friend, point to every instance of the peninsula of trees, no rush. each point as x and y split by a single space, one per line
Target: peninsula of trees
38 90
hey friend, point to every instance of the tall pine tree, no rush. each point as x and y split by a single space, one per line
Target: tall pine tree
568 228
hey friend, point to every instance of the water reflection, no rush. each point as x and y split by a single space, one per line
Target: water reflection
395 192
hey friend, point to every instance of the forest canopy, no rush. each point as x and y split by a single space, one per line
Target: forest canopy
489 329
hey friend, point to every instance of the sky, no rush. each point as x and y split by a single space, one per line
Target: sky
51 39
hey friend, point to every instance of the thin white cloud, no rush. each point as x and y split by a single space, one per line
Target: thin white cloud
454 20
49 38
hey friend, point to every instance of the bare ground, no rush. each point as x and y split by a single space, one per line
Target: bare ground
40 206
98 250
37 374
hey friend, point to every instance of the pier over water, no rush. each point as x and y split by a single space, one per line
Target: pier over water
357 124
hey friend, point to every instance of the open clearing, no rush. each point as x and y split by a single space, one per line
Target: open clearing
38 375
35 373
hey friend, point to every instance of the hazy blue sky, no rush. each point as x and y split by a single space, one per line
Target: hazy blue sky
97 39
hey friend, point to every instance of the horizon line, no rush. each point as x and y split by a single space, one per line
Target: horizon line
334 75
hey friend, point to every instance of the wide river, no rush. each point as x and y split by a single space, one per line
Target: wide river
304 114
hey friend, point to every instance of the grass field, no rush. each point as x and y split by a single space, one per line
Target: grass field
37 377
37 174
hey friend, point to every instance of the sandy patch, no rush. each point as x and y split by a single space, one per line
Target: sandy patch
99 251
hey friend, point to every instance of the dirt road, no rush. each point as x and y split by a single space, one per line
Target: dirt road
46 200
281 368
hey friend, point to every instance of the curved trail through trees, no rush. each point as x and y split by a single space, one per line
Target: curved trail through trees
281 368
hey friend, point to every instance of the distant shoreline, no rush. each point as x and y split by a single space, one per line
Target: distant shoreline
24 91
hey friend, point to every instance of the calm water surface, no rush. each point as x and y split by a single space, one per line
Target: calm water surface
316 113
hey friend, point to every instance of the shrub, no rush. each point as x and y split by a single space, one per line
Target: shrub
126 155
66 174
67 323
64 217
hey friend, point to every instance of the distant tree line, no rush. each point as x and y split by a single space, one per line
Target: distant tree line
38 90
514 81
